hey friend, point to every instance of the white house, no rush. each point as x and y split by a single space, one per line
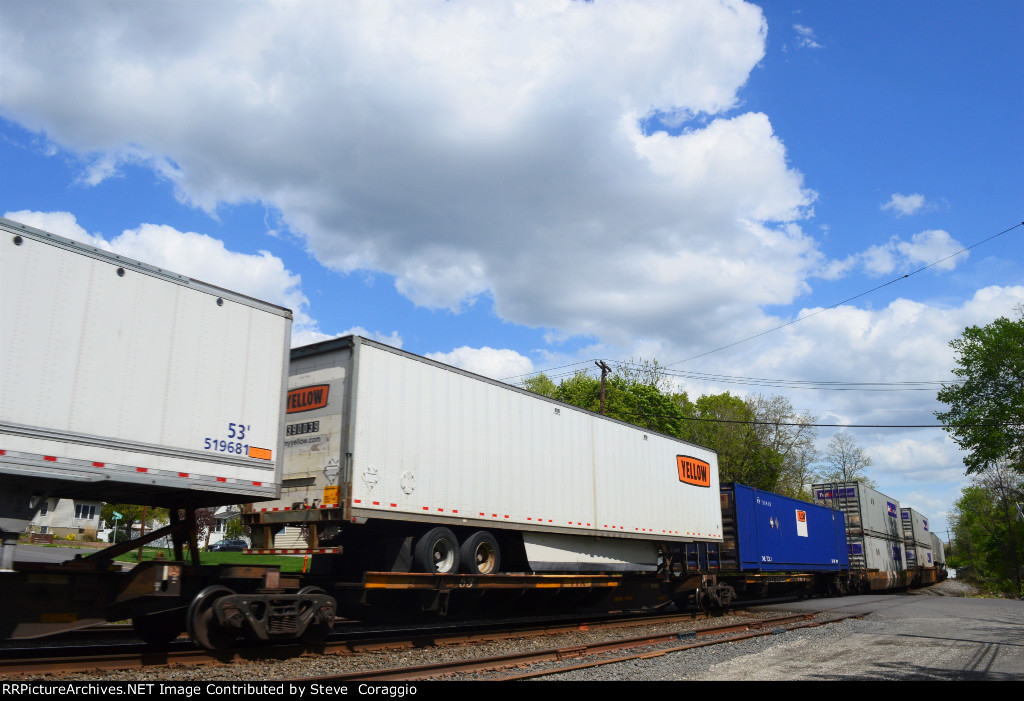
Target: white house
64 517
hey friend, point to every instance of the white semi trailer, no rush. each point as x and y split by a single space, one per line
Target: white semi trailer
395 462
122 382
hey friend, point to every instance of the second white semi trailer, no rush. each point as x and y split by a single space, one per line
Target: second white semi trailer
395 462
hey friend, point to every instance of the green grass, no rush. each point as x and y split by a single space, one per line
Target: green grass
286 563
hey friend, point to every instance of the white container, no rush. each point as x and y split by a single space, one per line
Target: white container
938 551
915 528
880 561
385 434
868 511
128 383
918 556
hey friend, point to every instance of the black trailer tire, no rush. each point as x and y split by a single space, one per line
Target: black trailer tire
480 554
437 552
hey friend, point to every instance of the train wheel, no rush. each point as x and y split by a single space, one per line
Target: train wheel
158 629
320 627
437 552
201 620
480 554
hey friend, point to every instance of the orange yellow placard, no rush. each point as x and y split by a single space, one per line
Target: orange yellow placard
693 471
307 398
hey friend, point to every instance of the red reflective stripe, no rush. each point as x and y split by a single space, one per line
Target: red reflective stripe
222 479
99 464
142 469
50 458
180 474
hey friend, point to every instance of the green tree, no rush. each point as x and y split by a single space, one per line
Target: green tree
791 435
132 514
988 537
986 408
633 393
540 384
725 424
234 528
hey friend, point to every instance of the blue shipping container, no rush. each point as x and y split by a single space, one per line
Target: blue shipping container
778 534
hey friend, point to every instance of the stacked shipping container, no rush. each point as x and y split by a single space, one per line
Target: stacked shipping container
874 533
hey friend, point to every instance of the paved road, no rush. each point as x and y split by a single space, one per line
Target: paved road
902 637
43 553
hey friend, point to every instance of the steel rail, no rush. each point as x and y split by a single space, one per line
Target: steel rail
24 661
500 662
665 651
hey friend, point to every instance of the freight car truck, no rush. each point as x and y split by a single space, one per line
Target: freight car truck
874 534
122 382
397 463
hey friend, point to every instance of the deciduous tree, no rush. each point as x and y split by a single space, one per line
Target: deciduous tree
988 535
986 408
845 461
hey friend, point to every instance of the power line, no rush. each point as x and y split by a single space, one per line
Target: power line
920 385
791 384
559 367
797 423
848 299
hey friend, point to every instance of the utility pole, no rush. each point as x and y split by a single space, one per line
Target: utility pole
604 373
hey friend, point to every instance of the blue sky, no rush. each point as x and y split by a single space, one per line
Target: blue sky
513 187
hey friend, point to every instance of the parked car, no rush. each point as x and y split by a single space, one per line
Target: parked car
228 546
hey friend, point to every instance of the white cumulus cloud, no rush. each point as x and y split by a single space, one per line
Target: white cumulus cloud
469 150
497 363
904 205
924 248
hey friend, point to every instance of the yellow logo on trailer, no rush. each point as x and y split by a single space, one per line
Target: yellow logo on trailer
693 471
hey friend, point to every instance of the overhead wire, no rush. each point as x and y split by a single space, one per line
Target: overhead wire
848 299
798 423
920 386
